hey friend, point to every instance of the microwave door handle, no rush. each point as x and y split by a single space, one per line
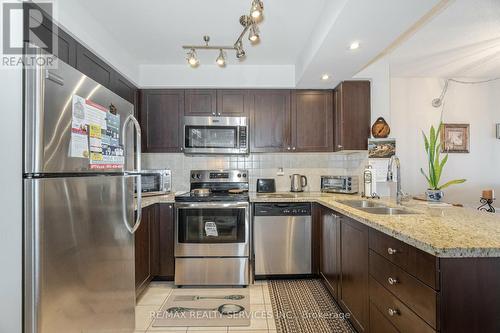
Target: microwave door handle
136 172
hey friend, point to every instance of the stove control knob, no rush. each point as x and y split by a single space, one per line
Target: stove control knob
193 176
239 175
244 175
198 176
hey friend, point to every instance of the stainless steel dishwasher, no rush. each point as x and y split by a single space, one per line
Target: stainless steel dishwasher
282 238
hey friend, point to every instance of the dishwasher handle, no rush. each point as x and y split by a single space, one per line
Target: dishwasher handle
282 209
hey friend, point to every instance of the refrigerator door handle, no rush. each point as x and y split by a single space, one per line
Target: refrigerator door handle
137 171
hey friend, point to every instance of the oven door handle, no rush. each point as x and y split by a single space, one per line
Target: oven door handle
219 205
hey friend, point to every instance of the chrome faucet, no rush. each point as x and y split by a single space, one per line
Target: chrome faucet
400 196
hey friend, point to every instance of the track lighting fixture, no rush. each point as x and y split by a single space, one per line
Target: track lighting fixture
221 59
249 23
253 36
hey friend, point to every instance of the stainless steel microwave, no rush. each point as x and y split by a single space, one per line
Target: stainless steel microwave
156 182
340 184
215 135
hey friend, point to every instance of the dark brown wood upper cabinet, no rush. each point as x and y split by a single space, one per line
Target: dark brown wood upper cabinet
354 278
90 65
123 87
312 121
269 120
161 120
352 115
200 102
232 102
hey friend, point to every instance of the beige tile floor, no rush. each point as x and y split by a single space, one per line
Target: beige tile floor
158 292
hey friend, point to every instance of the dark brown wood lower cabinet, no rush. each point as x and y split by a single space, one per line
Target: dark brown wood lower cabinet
166 263
353 292
330 250
144 249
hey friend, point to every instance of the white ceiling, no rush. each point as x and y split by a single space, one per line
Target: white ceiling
155 30
461 41
300 39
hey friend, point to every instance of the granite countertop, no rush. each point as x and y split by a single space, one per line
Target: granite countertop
151 200
442 231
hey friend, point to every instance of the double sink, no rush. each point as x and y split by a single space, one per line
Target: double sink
375 207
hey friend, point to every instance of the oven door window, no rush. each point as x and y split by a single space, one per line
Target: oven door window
211 225
211 137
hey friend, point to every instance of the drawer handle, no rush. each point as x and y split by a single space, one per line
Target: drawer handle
392 312
392 281
391 251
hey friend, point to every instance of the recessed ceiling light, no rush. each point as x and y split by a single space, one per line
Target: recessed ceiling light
325 77
354 45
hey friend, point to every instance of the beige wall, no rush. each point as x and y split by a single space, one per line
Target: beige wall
477 105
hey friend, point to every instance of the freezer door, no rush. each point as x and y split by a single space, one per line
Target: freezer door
48 118
79 256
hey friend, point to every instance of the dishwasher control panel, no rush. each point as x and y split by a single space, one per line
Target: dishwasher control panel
282 209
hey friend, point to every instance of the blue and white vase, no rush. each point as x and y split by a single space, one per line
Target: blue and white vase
434 195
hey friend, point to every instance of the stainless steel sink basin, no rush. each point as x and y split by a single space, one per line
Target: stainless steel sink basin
361 203
387 211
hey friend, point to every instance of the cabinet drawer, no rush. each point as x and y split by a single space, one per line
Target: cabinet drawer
418 296
395 311
378 323
416 262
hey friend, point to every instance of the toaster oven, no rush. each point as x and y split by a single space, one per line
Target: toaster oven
340 184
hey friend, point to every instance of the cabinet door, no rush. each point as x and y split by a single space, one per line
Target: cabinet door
166 242
143 250
122 87
46 32
312 121
161 120
201 102
90 65
352 115
269 120
232 102
353 292
330 249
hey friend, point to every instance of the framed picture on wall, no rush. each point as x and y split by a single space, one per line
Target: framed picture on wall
455 138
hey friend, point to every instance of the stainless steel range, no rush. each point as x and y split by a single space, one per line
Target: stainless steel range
212 231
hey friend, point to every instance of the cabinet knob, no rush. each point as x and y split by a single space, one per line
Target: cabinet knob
182 148
214 114
288 148
392 312
169 206
340 147
392 281
293 148
391 251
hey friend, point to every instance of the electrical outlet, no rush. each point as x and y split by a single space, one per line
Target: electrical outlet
280 172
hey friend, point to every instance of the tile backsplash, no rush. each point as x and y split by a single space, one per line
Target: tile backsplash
312 165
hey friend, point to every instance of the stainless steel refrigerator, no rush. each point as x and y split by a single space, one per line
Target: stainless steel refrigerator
78 219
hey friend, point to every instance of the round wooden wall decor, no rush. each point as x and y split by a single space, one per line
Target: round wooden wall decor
380 128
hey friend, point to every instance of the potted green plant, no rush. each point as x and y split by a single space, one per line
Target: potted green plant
436 165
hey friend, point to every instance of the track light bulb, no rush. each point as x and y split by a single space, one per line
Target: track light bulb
257 8
192 58
254 34
221 59
240 53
